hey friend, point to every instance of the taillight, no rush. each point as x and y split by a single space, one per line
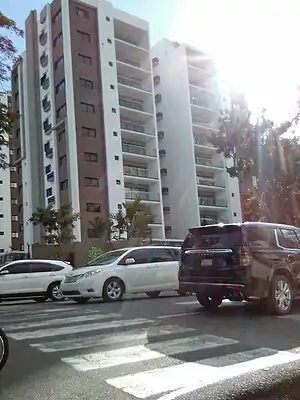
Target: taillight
245 258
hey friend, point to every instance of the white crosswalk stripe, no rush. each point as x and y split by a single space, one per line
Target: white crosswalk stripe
138 356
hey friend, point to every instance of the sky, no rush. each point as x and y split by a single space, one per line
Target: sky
255 43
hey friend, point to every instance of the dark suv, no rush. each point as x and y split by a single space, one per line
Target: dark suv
251 260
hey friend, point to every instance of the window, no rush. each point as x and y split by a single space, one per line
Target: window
1 198
59 63
118 182
15 235
287 238
14 218
159 116
48 169
13 185
141 256
91 182
49 192
85 37
1 250
20 208
64 185
61 112
86 83
107 19
85 59
113 110
57 16
109 41
21 227
117 158
63 160
1 233
88 108
161 255
112 87
1 215
93 207
61 86
91 157
158 98
14 201
261 237
115 133
22 247
82 13
20 268
57 40
1 182
89 132
110 63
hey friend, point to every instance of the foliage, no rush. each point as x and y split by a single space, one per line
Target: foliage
94 252
8 54
57 224
265 151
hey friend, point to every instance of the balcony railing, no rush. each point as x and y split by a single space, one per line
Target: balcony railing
131 104
146 196
134 63
202 122
130 82
138 172
131 148
155 220
207 182
211 221
209 162
208 201
200 103
130 126
202 142
130 41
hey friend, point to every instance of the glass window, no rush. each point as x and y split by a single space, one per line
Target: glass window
20 268
287 238
221 237
261 237
107 258
141 256
160 255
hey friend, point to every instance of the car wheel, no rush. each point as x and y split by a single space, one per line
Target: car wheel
153 295
4 349
280 299
40 299
182 293
113 290
54 292
81 300
209 302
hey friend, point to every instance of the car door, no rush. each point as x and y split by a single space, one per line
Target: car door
14 279
42 275
166 269
140 276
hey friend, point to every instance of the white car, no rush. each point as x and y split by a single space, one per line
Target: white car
149 269
37 279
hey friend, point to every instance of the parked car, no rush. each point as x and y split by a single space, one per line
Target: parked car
246 261
149 269
37 279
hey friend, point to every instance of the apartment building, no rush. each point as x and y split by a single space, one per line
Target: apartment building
189 95
5 198
88 132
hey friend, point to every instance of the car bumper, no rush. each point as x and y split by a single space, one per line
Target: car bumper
84 288
195 287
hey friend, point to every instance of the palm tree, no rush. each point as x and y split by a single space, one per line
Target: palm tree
99 227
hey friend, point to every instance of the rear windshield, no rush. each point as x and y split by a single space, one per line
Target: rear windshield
216 237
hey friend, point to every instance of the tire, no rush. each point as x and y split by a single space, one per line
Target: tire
182 293
209 303
4 349
54 293
40 299
81 300
113 290
153 295
282 285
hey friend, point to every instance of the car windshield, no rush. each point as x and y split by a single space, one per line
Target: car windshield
107 258
221 237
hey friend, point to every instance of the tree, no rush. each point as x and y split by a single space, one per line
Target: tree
57 224
263 150
8 55
99 227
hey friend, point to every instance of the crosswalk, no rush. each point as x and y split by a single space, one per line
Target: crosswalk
139 356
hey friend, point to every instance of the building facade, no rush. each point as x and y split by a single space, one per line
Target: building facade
189 95
6 217
88 133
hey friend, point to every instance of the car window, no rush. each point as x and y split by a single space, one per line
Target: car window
20 268
176 254
160 255
287 238
141 256
55 267
45 267
107 258
261 237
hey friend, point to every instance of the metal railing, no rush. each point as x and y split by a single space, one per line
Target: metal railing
203 142
208 201
131 148
130 82
131 104
208 182
146 196
208 162
131 126
139 172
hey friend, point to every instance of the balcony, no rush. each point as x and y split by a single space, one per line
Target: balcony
43 38
50 176
47 126
203 143
132 83
207 162
135 105
155 220
130 109
133 131
45 82
137 150
135 95
203 125
44 60
49 152
211 202
139 173
144 196
212 184
46 105
51 200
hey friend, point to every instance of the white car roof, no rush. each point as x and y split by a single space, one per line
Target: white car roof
33 260
145 247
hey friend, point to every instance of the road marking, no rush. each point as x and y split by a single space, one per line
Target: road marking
128 355
20 312
142 336
58 321
67 330
176 378
177 315
188 303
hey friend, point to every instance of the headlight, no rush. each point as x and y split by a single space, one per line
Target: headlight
91 273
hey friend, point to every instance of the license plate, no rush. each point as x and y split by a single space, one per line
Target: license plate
206 263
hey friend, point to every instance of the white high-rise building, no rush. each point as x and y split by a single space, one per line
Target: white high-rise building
5 194
196 187
89 135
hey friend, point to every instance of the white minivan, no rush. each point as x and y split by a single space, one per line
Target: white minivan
149 269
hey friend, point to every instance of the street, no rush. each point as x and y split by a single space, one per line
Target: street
143 348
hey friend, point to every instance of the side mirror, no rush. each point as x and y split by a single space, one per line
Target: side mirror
129 261
4 272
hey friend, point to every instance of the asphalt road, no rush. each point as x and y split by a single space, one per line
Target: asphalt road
142 348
